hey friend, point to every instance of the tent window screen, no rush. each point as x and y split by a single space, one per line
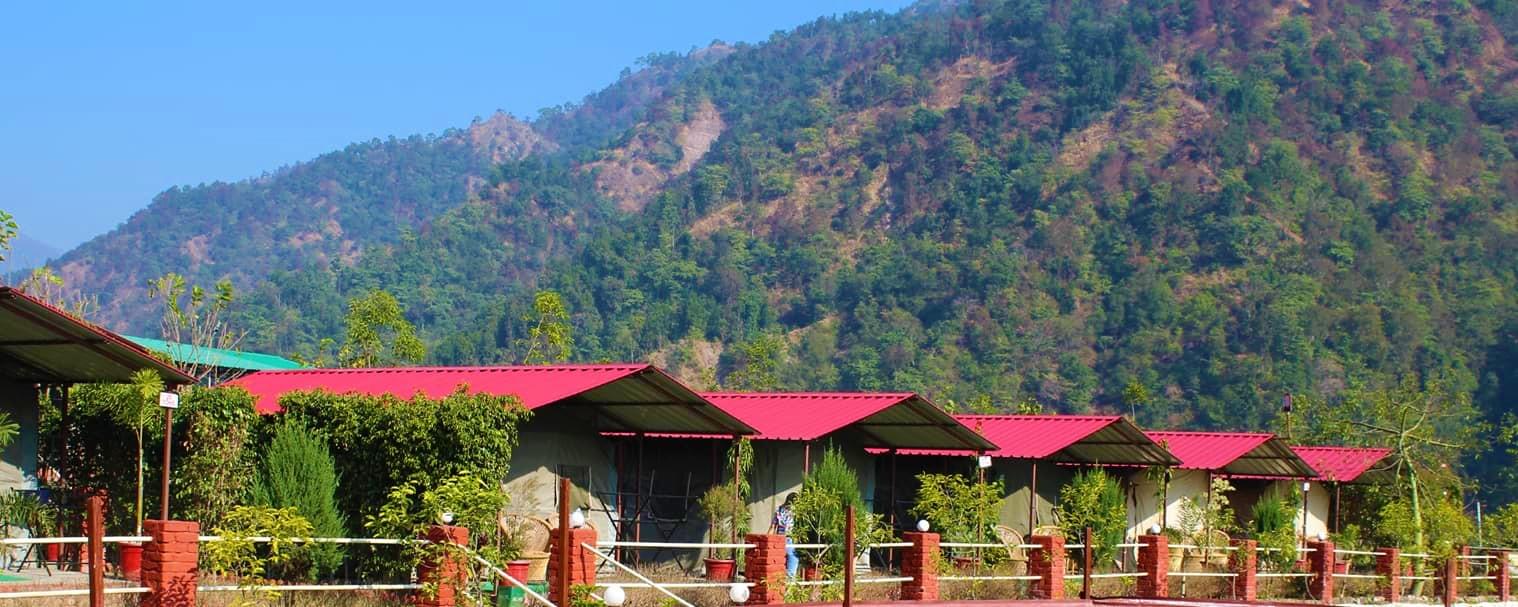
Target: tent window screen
579 481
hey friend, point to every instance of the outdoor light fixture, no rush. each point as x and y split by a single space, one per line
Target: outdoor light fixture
1155 529
1306 486
576 519
922 525
446 517
738 593
1322 537
613 596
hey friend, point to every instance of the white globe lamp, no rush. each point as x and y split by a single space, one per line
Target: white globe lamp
923 525
614 596
576 519
738 593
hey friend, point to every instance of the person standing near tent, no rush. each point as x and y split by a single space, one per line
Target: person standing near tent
785 518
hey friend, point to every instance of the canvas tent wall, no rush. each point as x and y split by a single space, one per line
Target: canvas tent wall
42 351
1251 460
572 405
1035 456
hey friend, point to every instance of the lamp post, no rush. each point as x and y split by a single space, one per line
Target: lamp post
1286 408
169 401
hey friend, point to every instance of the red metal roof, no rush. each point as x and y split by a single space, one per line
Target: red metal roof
1238 453
1342 464
878 419
627 397
1095 439
802 416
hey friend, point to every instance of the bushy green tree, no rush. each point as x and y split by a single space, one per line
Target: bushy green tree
297 472
551 338
827 490
378 334
1093 499
958 508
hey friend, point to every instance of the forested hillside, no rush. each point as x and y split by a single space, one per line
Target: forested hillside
1179 208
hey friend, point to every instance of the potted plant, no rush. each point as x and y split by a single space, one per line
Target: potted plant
727 514
135 405
45 523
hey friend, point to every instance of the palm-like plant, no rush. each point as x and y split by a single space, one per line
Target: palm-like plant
136 406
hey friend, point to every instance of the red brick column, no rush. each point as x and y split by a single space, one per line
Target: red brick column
920 562
582 564
1320 562
764 566
1244 561
168 563
1154 563
445 569
1504 581
1389 566
1048 563
1451 575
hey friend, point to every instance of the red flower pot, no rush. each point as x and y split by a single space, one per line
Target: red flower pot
965 563
131 561
720 570
518 569
811 573
52 552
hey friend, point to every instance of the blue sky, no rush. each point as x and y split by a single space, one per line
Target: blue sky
103 105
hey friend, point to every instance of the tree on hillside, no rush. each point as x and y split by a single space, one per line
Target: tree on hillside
379 334
48 286
757 364
1428 425
7 232
193 318
551 339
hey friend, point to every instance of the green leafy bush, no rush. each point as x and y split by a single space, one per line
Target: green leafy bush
826 492
1093 499
726 512
238 555
298 472
1272 518
960 510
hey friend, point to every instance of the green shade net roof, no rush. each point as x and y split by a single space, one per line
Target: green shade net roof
203 356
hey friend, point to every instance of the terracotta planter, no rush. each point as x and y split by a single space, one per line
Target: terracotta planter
811 573
518 569
1341 568
964 563
131 561
1177 559
720 570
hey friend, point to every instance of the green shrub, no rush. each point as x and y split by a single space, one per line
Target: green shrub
297 472
1272 526
960 510
1093 499
826 491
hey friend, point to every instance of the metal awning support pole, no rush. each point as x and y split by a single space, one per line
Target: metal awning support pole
848 557
1337 506
1032 496
638 503
562 580
737 491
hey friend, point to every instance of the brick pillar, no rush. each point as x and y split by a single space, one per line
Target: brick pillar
445 569
582 564
920 562
1504 581
1389 566
1154 563
1048 563
764 566
1451 582
1244 561
169 563
1320 562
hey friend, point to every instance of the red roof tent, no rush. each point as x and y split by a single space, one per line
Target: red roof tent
876 419
40 343
630 398
1081 439
1257 454
1348 464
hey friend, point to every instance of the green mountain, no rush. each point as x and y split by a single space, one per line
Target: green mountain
1216 201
